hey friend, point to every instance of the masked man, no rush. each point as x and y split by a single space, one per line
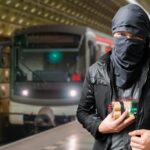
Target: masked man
120 76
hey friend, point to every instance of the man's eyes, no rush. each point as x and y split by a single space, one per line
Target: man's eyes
123 34
119 35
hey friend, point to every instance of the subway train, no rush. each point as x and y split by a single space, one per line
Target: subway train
46 70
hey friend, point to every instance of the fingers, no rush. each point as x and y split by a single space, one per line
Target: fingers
136 139
124 124
140 139
129 119
136 143
110 115
121 118
135 148
109 125
136 133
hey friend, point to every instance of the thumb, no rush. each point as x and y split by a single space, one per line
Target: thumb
136 133
110 115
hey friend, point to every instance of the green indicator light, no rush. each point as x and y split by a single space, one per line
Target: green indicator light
54 57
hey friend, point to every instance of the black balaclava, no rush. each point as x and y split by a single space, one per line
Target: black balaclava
128 54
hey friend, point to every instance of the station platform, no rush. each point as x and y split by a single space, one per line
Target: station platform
71 136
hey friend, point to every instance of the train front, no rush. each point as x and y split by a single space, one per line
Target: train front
47 78
47 71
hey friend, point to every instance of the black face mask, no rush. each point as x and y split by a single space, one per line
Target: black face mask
126 57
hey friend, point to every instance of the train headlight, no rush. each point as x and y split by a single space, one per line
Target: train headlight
73 93
25 92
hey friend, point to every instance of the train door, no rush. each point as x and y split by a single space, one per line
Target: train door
90 49
99 51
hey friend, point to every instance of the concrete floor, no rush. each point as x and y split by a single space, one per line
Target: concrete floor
70 136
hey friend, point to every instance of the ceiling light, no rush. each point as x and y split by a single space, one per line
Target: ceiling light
3 16
67 22
52 17
58 6
46 1
20 21
8 2
63 8
73 13
17 5
62 20
33 10
46 15
76 1
12 19
77 15
28 23
57 18
52 4
39 12
25 7
68 11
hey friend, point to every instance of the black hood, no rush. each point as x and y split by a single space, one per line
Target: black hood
128 55
131 18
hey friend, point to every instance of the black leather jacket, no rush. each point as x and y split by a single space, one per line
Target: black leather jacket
96 97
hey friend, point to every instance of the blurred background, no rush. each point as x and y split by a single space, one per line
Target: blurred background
46 47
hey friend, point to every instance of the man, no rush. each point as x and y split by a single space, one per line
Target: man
120 76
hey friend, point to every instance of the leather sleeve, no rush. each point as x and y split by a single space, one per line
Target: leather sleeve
86 112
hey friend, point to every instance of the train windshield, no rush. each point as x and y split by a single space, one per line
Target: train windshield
49 57
51 65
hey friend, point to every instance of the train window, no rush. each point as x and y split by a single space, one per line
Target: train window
49 66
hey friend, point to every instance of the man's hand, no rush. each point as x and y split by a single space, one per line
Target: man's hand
140 139
109 125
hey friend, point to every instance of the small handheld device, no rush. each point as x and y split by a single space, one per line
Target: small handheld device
118 107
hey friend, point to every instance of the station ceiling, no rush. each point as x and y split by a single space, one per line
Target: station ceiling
96 14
